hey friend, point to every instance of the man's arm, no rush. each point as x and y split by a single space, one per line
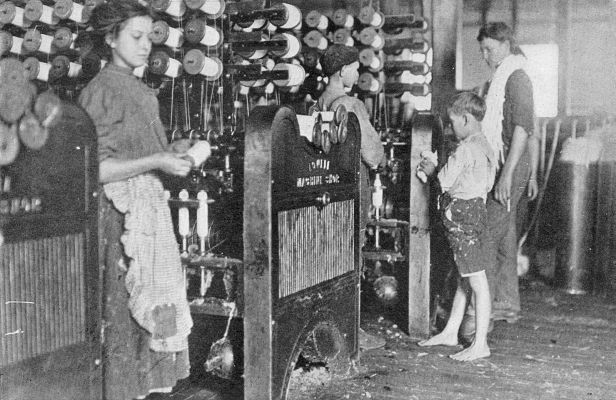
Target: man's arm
533 148
502 189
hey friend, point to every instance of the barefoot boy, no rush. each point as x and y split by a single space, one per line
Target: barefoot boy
465 181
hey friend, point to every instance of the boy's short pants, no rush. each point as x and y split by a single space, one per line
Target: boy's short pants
465 221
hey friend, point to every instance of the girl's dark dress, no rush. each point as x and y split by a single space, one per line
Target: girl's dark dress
125 113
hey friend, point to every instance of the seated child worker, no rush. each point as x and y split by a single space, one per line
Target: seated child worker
465 181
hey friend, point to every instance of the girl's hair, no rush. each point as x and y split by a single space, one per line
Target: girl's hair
112 16
499 31
467 102
109 18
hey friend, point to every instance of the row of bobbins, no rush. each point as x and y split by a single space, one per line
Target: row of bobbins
330 127
25 116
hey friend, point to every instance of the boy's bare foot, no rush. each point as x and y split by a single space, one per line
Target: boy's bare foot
442 339
473 352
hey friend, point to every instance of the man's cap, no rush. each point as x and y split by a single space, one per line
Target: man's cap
336 57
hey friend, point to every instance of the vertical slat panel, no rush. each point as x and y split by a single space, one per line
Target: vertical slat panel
315 245
42 302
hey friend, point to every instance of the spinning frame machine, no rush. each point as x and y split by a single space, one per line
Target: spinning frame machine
222 71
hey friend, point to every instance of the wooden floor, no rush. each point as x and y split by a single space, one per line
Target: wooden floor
563 347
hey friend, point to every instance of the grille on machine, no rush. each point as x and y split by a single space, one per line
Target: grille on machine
315 245
42 301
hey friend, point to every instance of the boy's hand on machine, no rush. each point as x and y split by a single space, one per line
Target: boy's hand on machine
427 166
173 163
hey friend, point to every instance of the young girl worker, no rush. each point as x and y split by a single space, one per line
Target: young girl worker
465 181
146 318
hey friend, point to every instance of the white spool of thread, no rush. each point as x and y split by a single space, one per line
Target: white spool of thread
16 46
349 22
175 39
196 63
202 219
316 40
377 19
212 7
256 25
176 9
43 71
47 15
323 23
139 72
296 74
172 67
69 10
199 152
211 36
293 46
271 27
294 17
183 220
173 70
46 42
12 15
74 70
378 42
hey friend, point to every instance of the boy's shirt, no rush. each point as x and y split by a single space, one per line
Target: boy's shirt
470 170
372 152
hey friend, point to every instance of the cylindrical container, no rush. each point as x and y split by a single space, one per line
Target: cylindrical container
35 10
343 18
296 74
161 64
197 63
10 43
37 69
211 8
163 34
293 17
316 40
576 172
368 16
9 14
174 8
62 67
370 37
199 152
368 58
293 48
343 36
369 83
64 39
34 41
68 9
198 32
315 20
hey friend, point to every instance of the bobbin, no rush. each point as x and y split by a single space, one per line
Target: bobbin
211 8
198 32
163 34
197 63
36 69
35 41
35 10
161 64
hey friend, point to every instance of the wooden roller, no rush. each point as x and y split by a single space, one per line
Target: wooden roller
9 143
32 134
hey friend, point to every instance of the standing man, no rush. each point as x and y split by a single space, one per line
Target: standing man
509 127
